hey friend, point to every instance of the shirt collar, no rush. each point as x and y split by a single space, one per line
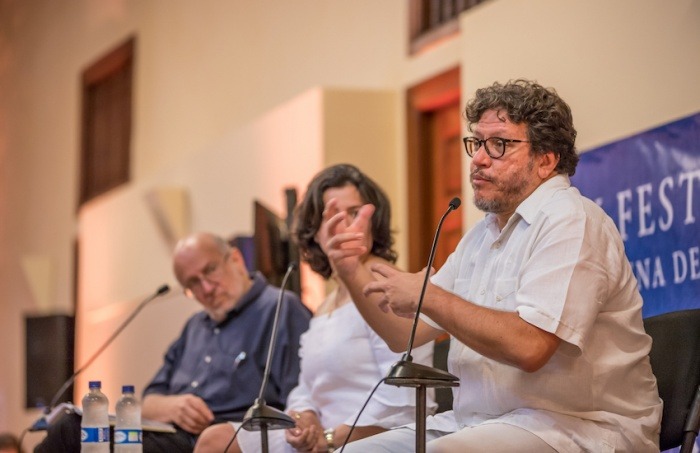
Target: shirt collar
529 207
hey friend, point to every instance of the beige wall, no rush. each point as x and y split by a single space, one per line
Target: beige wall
216 79
623 66
283 148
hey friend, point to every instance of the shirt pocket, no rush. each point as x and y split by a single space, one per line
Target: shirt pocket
504 291
461 288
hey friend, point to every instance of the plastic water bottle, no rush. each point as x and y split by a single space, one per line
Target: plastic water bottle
127 430
94 427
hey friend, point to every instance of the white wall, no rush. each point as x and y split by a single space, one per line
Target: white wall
258 160
124 256
204 70
623 66
205 66
208 70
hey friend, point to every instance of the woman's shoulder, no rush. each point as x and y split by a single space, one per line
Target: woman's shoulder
325 306
335 299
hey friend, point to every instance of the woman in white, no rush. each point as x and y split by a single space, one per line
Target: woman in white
342 359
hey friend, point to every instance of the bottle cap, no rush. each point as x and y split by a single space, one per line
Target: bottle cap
127 389
95 384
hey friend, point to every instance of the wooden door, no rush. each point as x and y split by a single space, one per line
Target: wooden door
446 150
434 167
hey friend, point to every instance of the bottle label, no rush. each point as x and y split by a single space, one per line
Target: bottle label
127 436
90 435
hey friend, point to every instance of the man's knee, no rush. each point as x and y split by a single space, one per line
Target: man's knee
62 435
392 441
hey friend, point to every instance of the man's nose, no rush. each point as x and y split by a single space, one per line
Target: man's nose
481 158
207 286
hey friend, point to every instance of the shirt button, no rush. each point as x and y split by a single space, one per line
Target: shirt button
216 331
194 384
499 298
207 359
482 292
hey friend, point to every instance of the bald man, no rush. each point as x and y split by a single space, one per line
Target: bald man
213 371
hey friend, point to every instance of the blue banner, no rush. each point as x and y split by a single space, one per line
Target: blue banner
650 185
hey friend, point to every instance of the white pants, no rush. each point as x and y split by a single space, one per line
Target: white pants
492 438
251 441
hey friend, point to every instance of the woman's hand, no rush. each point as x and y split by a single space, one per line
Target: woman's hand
307 435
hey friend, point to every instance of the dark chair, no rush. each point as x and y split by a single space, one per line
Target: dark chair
443 395
675 360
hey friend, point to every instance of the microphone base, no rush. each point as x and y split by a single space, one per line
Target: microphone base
405 373
260 417
40 425
43 423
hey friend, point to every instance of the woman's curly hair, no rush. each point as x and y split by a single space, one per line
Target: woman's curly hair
309 215
548 118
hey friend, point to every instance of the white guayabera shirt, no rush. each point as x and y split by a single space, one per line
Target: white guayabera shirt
560 264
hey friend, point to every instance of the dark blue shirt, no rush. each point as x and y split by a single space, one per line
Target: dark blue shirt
224 363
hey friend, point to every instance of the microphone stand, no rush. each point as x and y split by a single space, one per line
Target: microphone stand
43 422
260 416
406 373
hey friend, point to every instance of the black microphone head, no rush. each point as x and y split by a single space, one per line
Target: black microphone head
455 203
162 290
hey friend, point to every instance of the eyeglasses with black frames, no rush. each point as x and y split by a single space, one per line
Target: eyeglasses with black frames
495 146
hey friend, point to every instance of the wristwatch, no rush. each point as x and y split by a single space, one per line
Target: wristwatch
329 434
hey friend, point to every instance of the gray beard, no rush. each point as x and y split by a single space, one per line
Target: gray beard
512 194
492 206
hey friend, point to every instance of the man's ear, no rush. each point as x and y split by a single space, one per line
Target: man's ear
236 255
547 162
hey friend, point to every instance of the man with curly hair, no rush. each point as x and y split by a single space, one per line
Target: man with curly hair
539 299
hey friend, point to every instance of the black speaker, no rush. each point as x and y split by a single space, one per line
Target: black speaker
50 344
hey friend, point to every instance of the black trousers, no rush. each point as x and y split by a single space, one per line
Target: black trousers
64 436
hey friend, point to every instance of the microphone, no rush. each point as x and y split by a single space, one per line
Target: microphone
454 204
43 422
260 416
406 373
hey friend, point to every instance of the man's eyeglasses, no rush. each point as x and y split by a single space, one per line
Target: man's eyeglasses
495 146
212 273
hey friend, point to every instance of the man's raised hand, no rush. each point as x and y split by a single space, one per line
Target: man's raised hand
399 291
